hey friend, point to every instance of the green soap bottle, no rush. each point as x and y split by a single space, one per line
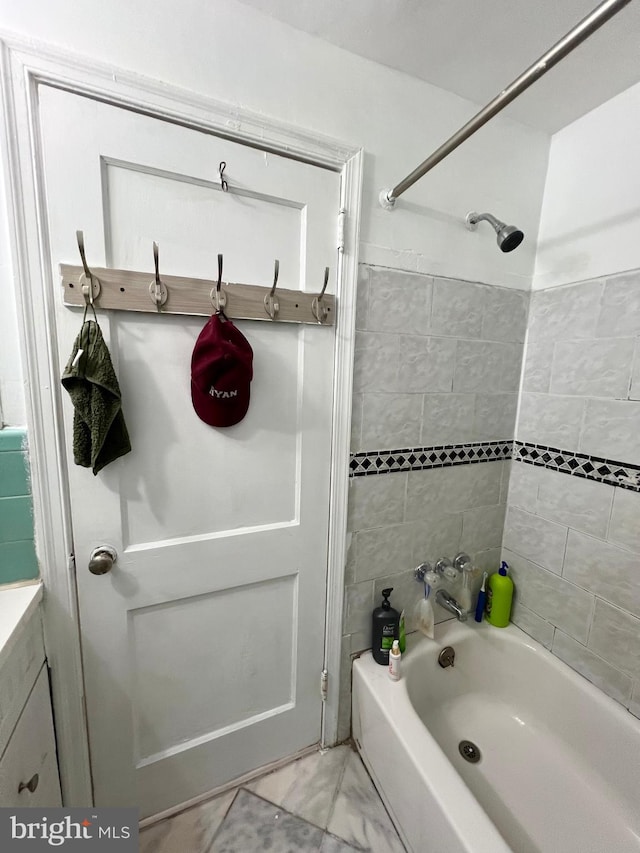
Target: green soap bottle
499 597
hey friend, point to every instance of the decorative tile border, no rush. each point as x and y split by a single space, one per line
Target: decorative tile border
621 474
419 458
608 471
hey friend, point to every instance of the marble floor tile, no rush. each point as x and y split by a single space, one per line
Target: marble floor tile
358 815
253 825
306 787
286 811
332 844
190 831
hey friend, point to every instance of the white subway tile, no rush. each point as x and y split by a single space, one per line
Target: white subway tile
565 313
524 484
612 430
377 500
362 297
425 364
541 541
600 368
482 528
532 624
434 537
620 311
447 419
383 550
505 315
605 676
494 417
603 569
458 308
536 375
390 421
440 491
579 503
399 302
550 420
624 528
554 599
375 365
614 637
358 606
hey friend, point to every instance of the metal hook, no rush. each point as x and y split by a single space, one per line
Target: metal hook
223 183
272 306
326 281
157 290
89 283
80 239
218 296
318 308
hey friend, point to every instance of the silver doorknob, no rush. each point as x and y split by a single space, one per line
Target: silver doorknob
102 559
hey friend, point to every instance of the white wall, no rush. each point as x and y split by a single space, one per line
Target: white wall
12 404
591 212
235 54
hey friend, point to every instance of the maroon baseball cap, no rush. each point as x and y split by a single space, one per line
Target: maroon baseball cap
221 372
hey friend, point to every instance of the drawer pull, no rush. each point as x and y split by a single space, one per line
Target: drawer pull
31 785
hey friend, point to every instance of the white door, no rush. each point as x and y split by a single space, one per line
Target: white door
203 647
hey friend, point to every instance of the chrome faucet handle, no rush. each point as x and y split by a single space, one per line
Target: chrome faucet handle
420 571
446 568
460 560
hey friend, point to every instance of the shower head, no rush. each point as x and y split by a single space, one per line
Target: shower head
508 236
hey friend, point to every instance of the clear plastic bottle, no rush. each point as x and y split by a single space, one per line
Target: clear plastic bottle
395 656
466 593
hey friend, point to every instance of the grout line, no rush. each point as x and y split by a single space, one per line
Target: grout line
607 531
592 617
233 799
336 790
564 552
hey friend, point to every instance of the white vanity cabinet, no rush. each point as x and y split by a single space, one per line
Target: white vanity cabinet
28 762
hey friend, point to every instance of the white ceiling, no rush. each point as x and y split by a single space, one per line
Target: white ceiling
477 47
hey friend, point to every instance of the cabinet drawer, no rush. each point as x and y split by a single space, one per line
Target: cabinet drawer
32 750
18 675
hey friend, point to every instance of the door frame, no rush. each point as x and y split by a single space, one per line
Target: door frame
24 66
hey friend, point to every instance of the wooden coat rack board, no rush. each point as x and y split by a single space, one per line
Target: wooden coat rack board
127 290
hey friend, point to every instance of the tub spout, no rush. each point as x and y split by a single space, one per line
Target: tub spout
449 603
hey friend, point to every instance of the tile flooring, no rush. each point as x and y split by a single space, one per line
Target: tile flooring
322 803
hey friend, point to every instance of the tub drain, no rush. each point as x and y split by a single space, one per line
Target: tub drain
469 751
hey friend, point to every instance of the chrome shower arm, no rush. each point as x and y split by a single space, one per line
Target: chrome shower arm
474 218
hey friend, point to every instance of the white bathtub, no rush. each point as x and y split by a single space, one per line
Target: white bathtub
560 766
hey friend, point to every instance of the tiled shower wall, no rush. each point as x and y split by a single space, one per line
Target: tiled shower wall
437 363
573 541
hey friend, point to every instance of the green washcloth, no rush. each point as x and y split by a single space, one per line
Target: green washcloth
99 431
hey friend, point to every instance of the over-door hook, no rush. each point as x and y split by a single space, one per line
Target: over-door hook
218 296
89 283
157 290
271 304
223 183
318 308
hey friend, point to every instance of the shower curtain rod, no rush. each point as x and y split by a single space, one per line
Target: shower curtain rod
573 38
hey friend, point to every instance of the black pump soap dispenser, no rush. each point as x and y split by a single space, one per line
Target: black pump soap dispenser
385 629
